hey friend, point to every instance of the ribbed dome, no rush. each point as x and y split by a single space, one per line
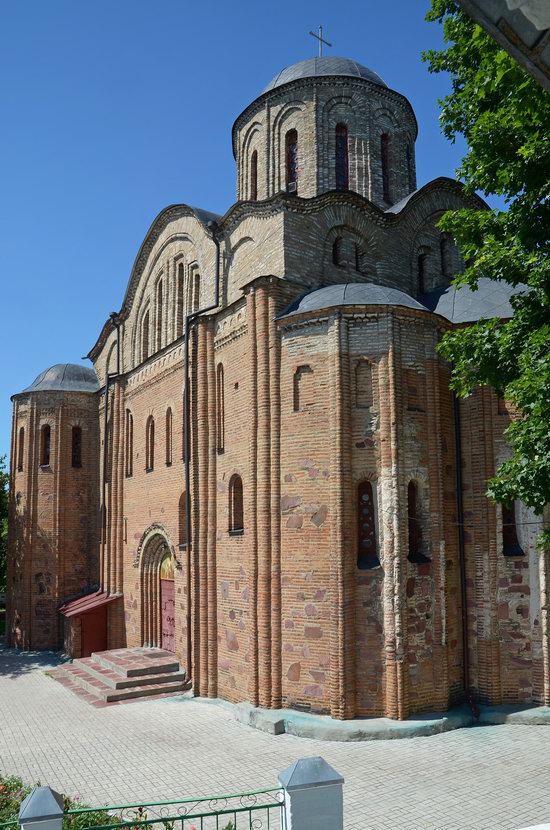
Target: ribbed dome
318 67
65 377
351 293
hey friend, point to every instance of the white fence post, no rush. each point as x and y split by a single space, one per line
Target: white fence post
42 809
314 798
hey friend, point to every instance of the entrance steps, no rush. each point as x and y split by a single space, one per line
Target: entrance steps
123 675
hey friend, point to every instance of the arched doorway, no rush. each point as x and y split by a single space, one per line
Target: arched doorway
155 560
167 604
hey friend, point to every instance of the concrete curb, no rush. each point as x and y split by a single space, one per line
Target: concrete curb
325 728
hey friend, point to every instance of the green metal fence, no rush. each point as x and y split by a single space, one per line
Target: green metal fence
256 810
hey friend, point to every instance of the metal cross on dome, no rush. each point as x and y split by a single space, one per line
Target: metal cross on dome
319 37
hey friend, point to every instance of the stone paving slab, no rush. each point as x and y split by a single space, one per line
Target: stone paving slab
484 778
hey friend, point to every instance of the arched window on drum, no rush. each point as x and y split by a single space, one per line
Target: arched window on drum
367 542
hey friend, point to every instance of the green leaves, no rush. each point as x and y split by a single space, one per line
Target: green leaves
505 117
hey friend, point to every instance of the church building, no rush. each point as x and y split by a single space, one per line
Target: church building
265 471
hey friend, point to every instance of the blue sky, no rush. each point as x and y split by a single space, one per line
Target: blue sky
112 110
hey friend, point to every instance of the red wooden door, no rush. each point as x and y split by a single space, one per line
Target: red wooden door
94 631
168 614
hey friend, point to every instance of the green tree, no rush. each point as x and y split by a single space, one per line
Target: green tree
4 486
504 116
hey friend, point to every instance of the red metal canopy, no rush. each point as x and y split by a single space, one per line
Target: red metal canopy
82 605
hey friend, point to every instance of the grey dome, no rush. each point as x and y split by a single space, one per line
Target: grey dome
464 305
65 377
351 293
318 67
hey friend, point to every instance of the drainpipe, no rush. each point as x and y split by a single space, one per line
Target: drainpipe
116 323
189 320
462 560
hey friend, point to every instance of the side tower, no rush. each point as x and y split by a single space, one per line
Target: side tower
53 520
326 124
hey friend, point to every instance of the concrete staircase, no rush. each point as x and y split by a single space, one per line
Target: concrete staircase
123 675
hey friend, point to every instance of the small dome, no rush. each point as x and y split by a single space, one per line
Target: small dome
319 67
65 377
351 293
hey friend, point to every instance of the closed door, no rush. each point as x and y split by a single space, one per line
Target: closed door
168 614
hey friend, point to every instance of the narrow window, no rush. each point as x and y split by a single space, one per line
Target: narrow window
182 516
410 174
363 385
414 526
196 298
291 147
129 467
510 541
159 316
341 160
168 437
304 393
337 251
20 449
444 249
76 447
45 444
357 253
220 409
254 176
179 306
236 511
150 444
145 337
367 554
421 263
385 159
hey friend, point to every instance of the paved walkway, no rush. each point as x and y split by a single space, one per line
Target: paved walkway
472 779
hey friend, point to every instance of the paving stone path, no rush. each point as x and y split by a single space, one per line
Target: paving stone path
472 779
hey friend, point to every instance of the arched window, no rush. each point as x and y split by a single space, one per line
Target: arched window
20 449
304 392
129 440
337 251
236 509
145 337
414 526
150 444
179 301
182 520
76 447
291 150
196 292
510 541
168 436
357 252
158 344
220 409
445 254
341 157
45 445
367 552
421 268
385 161
254 176
363 385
